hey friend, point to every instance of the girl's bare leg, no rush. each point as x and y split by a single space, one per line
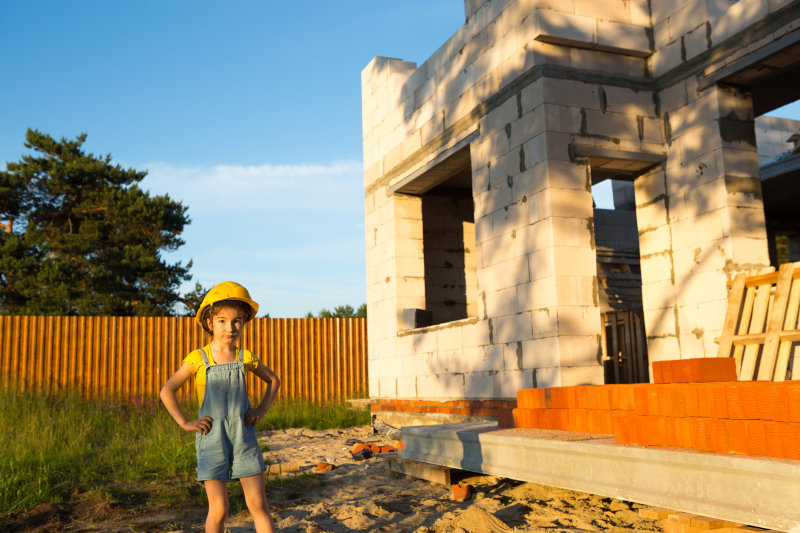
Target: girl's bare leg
217 492
256 500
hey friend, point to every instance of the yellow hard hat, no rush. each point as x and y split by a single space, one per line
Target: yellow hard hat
227 290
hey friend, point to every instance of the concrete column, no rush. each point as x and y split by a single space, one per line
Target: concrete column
700 219
623 195
393 229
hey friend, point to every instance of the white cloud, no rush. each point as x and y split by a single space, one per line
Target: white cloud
335 187
293 234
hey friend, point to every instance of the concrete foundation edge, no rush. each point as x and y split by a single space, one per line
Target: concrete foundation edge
762 493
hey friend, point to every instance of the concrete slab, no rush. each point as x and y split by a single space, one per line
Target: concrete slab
758 491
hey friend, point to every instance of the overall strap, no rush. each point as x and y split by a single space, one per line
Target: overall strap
205 357
241 356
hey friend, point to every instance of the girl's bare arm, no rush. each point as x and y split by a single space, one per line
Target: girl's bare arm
173 384
273 384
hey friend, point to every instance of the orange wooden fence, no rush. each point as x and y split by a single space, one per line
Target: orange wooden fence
315 358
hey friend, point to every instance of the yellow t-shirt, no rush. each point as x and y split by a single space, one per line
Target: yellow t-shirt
195 361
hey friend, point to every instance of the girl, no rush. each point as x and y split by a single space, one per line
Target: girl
226 437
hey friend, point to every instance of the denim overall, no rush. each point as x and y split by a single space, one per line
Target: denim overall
230 450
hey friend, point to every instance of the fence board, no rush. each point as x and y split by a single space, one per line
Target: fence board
315 358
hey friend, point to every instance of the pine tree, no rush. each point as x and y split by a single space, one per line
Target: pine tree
81 237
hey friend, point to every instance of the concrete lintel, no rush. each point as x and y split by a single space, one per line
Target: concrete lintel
749 61
404 183
620 155
758 491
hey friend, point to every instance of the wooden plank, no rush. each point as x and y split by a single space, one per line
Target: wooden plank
433 473
681 518
747 371
707 523
744 324
735 299
766 367
782 364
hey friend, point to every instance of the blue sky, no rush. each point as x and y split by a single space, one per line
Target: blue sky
248 112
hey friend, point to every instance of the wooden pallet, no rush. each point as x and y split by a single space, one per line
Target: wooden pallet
761 323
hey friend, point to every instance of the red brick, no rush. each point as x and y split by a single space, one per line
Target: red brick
622 397
672 432
757 437
461 494
720 400
734 399
325 467
793 393
558 397
774 403
399 445
620 427
579 420
359 447
534 399
583 397
719 436
751 398
791 440
709 369
653 402
681 371
572 397
705 401
388 449
658 372
505 418
684 432
738 442
374 448
664 396
775 446
678 403
640 398
666 371
702 429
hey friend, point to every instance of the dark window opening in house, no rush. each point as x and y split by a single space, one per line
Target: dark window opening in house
448 225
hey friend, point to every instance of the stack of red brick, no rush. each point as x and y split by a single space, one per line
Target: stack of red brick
695 403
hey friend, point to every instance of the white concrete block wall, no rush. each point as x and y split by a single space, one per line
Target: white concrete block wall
699 218
700 221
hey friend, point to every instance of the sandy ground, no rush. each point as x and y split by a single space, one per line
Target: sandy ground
364 496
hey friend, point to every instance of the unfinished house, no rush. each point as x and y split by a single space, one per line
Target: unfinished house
490 270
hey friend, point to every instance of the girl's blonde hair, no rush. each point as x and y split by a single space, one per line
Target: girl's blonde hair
213 310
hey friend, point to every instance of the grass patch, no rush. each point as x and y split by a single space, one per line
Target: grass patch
333 414
53 448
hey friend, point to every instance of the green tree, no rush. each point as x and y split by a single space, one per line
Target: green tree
81 238
341 311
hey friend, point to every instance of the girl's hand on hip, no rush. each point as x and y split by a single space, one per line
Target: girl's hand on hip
253 416
203 425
